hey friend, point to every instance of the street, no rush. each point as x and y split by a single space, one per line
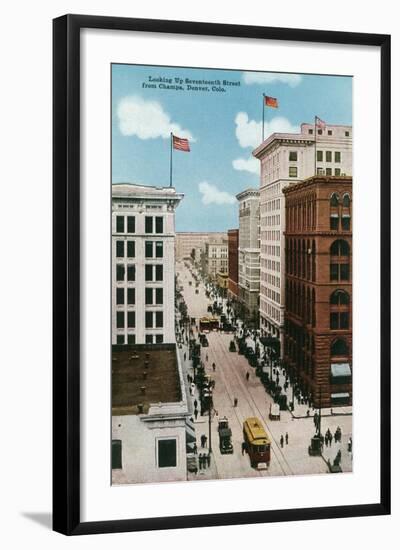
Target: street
252 400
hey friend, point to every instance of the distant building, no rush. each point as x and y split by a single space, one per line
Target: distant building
215 257
286 159
249 254
233 264
143 257
151 426
318 287
192 243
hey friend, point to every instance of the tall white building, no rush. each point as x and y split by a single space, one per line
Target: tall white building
249 253
286 159
143 264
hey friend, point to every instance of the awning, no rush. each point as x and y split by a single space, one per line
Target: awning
190 434
343 395
340 370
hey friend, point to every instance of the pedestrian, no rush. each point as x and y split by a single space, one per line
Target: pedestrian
200 461
350 445
308 412
196 413
247 376
195 403
235 402
287 438
206 356
208 457
243 447
213 367
202 440
184 356
205 441
195 448
281 440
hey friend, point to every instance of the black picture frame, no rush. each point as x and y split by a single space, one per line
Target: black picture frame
66 273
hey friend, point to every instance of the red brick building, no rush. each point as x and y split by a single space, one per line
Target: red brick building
318 287
233 263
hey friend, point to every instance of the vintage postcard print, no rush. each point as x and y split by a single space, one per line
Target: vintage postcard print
231 259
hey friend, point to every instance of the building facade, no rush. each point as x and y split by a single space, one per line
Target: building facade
287 159
192 243
249 255
318 287
143 257
215 257
233 264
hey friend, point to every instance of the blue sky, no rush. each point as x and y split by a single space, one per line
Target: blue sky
223 128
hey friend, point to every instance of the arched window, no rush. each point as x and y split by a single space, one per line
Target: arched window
340 298
334 212
340 248
339 310
346 215
346 200
339 348
335 199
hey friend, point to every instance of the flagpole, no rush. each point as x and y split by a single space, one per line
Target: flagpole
263 111
315 145
170 164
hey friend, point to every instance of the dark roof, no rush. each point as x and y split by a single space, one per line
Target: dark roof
142 375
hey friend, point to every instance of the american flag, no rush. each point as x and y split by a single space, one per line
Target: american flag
271 101
181 144
320 123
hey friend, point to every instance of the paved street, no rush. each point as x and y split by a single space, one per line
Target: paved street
231 383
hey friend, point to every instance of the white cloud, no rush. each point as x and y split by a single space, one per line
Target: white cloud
271 78
249 132
147 120
248 165
212 195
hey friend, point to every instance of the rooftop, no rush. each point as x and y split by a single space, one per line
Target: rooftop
147 191
143 375
304 135
317 180
250 192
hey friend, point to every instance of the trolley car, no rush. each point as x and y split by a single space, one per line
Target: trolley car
208 323
257 442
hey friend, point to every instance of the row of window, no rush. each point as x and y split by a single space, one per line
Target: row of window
329 132
328 156
153 296
127 319
153 249
301 215
127 224
152 272
300 300
166 453
301 258
131 339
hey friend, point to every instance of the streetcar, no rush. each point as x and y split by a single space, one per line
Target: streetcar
257 442
208 323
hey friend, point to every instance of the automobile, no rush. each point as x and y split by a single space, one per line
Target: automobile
225 436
